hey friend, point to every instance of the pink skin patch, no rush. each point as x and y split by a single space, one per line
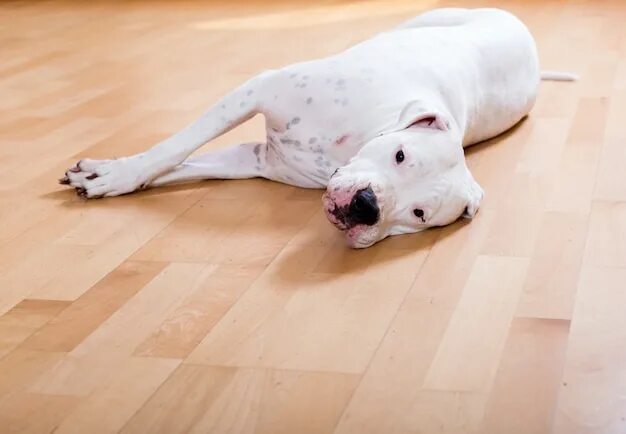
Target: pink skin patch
340 199
341 140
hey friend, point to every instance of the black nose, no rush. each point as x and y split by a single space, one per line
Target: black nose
363 208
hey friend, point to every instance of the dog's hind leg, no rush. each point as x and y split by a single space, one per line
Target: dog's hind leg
97 178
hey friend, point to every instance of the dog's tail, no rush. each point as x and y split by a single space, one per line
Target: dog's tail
558 76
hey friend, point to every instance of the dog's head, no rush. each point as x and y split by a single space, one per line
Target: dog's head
403 181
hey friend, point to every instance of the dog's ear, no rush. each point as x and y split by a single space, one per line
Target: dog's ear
416 115
474 195
430 120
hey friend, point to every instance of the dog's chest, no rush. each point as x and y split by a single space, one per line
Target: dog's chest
310 153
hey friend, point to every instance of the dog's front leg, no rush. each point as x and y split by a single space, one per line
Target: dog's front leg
247 160
98 178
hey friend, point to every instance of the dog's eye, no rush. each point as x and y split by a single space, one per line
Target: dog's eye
399 156
419 213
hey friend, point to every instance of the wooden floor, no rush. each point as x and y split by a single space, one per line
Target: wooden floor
235 307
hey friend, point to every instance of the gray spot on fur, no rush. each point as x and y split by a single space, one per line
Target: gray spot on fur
312 140
305 77
294 75
250 92
242 103
341 82
223 106
309 100
294 121
297 143
257 152
296 158
322 172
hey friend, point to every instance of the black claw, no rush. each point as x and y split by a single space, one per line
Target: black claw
64 181
81 192
92 176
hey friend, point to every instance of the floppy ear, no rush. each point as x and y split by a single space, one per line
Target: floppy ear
429 120
474 198
416 115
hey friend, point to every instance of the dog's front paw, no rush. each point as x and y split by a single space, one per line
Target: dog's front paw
104 178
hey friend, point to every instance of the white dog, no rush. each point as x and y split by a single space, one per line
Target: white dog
381 125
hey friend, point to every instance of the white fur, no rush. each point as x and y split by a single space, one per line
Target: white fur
439 82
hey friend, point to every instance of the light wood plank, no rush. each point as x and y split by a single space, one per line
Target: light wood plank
111 405
181 332
83 316
26 318
523 398
550 286
105 350
280 326
204 399
606 242
467 355
594 367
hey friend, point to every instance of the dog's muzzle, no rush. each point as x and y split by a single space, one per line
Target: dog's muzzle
362 209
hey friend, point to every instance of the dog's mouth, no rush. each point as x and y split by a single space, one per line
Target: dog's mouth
338 215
